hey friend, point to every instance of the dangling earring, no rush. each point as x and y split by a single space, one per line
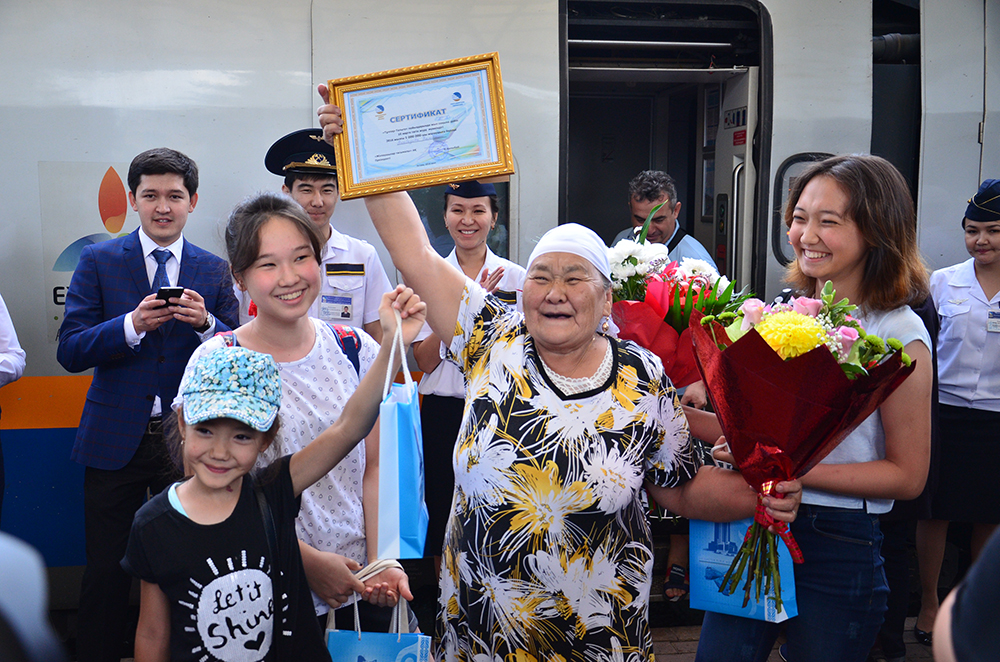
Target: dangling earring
605 326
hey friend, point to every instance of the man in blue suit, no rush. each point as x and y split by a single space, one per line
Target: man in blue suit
138 346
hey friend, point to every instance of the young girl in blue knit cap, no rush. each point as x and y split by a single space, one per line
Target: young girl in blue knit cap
217 554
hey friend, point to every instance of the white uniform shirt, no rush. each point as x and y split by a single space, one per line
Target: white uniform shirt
314 390
353 282
446 379
968 365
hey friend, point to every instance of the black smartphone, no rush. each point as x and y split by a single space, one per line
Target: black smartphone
165 293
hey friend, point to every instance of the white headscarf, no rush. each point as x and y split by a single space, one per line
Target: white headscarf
575 239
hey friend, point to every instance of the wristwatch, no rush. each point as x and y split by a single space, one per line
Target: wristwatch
207 325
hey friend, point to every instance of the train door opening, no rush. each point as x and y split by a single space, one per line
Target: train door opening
669 86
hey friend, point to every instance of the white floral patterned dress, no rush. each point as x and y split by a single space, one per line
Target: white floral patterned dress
548 552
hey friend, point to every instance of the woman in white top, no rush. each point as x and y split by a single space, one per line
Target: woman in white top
470 213
967 297
850 221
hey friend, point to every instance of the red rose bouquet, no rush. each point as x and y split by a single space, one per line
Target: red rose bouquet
654 299
789 382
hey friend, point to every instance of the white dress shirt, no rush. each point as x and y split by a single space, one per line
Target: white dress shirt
173 267
968 354
11 355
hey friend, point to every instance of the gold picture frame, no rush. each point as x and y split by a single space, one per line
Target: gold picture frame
422 126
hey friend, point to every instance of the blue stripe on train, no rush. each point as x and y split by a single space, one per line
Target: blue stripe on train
43 502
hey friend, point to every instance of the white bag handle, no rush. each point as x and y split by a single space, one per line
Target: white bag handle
400 615
397 341
331 620
400 621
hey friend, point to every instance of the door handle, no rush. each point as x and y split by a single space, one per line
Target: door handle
735 222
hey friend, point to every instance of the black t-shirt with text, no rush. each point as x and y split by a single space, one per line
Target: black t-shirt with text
218 577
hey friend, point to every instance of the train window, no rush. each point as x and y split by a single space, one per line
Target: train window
787 172
430 205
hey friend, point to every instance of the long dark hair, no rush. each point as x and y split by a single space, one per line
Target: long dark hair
881 207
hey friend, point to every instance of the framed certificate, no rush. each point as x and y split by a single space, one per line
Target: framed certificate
422 126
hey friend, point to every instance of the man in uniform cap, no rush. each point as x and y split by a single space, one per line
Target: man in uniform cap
353 280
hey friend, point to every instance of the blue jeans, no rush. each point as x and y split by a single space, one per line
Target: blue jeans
840 590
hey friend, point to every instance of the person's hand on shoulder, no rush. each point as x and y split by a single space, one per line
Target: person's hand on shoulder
695 395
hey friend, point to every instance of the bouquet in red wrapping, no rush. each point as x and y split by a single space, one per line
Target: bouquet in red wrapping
789 382
654 299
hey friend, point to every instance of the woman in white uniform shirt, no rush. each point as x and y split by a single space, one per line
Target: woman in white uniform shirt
967 296
470 213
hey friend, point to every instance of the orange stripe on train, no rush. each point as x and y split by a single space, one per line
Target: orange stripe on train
43 402
33 403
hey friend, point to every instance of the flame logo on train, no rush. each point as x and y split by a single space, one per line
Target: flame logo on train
112 204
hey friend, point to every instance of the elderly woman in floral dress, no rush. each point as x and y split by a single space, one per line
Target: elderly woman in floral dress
547 551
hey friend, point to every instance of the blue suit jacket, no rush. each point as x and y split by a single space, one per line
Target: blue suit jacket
109 282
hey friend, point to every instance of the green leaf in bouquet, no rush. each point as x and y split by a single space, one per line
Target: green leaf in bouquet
726 297
826 295
673 316
854 356
835 312
853 370
679 313
686 310
735 330
649 219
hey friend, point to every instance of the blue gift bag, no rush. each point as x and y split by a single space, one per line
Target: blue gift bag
398 646
713 547
402 513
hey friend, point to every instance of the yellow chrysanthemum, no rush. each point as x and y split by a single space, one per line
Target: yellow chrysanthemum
791 334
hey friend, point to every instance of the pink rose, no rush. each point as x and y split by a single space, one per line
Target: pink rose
753 311
807 306
845 336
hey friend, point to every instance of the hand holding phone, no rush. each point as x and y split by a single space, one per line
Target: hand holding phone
166 293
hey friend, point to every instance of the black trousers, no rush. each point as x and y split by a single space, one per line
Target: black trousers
3 482
440 419
110 501
896 558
